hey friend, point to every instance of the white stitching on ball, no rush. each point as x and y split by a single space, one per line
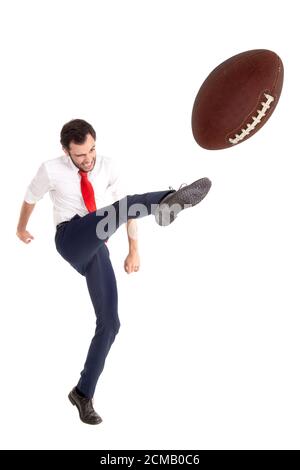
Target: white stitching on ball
256 120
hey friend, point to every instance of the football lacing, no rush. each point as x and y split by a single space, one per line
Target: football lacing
255 120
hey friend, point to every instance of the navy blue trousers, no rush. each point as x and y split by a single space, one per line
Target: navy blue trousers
78 242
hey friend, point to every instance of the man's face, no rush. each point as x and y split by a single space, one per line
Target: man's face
83 155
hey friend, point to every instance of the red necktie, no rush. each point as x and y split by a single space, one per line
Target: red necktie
87 192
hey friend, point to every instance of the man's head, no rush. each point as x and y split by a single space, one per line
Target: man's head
78 139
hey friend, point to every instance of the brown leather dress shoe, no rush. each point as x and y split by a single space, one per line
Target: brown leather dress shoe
85 407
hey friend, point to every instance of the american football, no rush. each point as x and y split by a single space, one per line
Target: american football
237 98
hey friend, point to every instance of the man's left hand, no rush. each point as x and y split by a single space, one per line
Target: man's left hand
132 262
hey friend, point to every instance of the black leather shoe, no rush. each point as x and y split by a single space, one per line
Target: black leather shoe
188 196
85 407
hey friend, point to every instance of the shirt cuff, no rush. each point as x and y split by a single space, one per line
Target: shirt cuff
30 198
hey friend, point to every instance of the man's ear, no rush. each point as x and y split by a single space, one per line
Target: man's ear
66 151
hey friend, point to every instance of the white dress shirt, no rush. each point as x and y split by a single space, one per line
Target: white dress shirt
60 177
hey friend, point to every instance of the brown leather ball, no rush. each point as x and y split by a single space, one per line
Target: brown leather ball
236 99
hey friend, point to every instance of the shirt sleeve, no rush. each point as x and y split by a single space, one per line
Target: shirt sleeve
38 187
116 184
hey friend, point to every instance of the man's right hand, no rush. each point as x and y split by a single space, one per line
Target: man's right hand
25 236
22 233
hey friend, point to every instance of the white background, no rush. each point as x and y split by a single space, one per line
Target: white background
208 353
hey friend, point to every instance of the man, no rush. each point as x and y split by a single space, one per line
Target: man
79 183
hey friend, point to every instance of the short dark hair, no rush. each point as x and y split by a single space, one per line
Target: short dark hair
76 131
